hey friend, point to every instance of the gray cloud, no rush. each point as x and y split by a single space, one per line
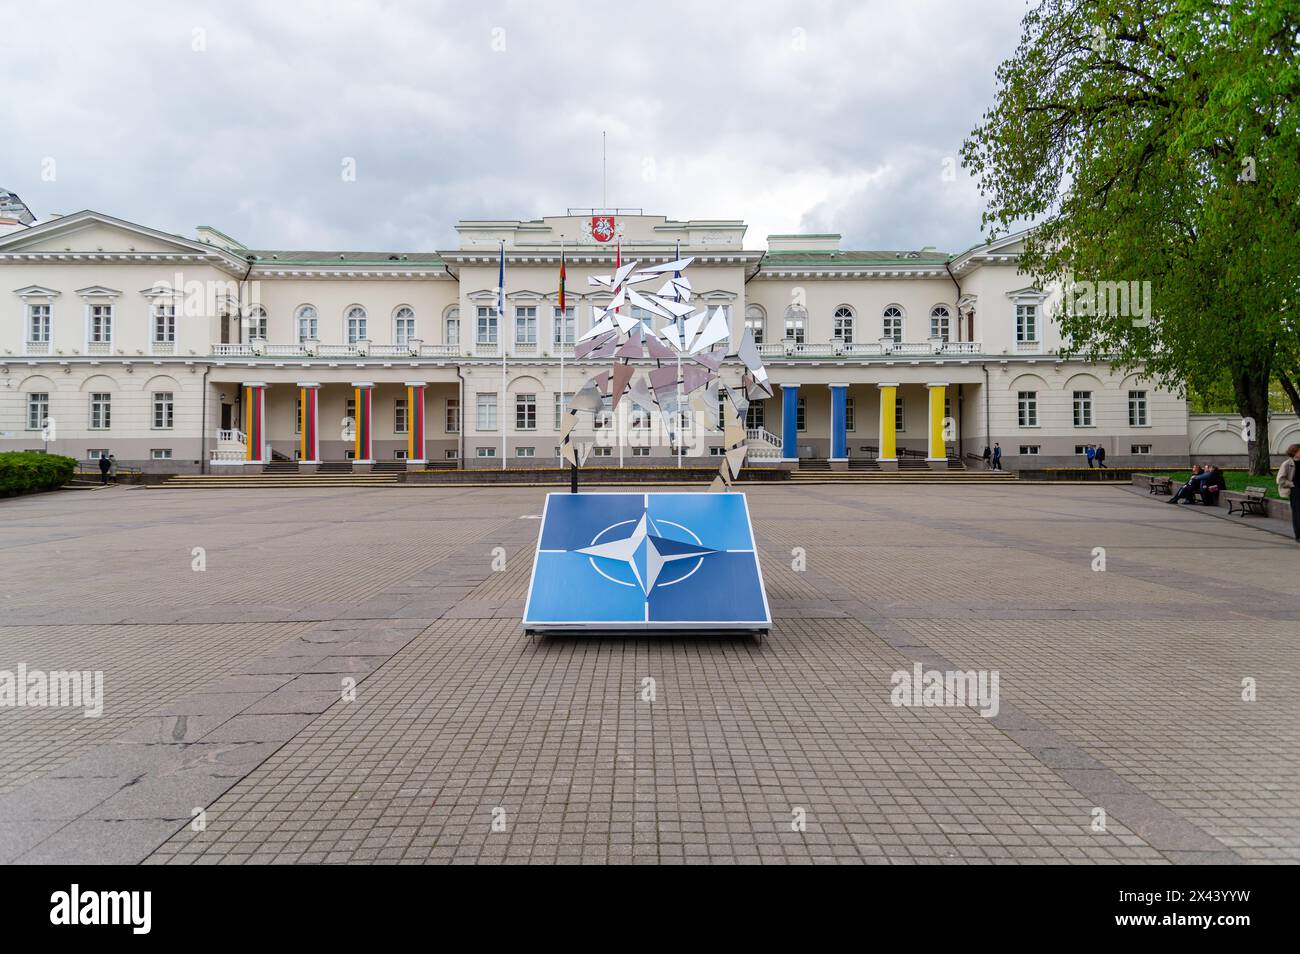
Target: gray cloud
823 116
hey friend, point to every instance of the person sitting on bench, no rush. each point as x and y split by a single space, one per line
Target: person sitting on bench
1188 490
1212 483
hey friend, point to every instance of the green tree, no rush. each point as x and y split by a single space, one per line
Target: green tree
1156 141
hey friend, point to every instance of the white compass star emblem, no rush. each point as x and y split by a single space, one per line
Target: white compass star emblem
646 552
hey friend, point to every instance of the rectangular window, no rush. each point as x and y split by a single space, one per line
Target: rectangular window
848 414
487 325
602 452
164 410
453 331
565 326
356 326
754 322
1029 450
452 424
450 454
801 415
756 414
606 416
640 452
900 417
486 451
38 410
1137 409
561 405
526 324
1083 409
350 409
794 328
1026 322
1139 449
101 324
486 405
297 415
399 416
891 325
95 453
525 451
349 455
101 408
525 412
38 324
257 324
307 328
164 324
161 453
1027 407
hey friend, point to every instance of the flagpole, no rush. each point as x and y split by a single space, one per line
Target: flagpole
561 318
678 349
501 336
622 415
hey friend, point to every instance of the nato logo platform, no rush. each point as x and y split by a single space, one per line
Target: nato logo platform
646 561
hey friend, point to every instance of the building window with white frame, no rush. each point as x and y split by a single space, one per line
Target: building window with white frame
101 324
801 415
101 410
525 451
451 327
297 414
525 324
1137 409
1083 409
900 415
485 451
356 325
755 322
525 412
400 416
164 410
403 325
843 324
848 414
756 415
308 324
795 320
640 451
451 423
1027 408
561 406
565 325
160 453
258 326
1026 323
605 416
486 332
1030 450
38 410
486 407
891 324
164 323
38 324
940 323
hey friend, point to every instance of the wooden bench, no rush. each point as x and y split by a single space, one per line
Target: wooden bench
1161 485
1254 502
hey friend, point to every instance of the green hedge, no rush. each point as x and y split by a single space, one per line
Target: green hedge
23 472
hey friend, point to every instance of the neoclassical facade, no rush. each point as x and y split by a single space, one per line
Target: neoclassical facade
180 355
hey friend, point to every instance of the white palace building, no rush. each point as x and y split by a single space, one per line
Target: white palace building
188 354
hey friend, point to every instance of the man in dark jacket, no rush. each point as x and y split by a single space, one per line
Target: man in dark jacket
1100 456
997 456
988 458
1212 483
104 464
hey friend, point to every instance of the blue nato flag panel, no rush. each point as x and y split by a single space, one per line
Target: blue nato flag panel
642 562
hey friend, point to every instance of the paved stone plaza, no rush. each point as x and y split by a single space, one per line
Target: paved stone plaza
1120 689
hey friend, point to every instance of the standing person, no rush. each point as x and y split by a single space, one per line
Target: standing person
112 468
988 458
1100 455
997 456
104 464
1289 488
1091 453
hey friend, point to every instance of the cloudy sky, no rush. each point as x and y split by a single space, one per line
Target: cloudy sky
811 116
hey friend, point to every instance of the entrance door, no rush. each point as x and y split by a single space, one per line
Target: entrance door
227 416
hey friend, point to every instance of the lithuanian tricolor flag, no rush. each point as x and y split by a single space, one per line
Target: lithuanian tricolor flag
561 278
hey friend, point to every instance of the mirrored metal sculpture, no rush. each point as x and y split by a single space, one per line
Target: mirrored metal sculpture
672 370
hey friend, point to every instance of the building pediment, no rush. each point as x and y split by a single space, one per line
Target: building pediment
29 292
98 291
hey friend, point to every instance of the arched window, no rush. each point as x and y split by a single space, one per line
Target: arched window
257 323
843 325
756 321
892 323
451 326
355 324
796 318
940 322
308 323
403 324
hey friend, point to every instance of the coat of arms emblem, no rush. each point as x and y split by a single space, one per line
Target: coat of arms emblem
602 227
